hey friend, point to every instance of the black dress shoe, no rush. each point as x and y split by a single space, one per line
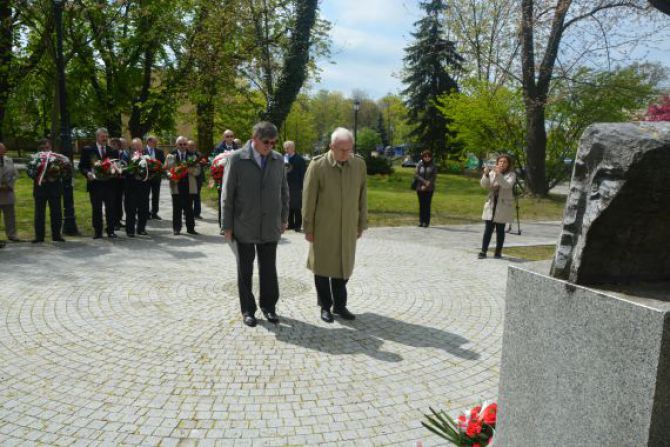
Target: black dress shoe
15 239
58 239
197 217
97 236
481 255
37 241
176 233
250 320
130 234
327 316
112 236
143 233
156 216
117 227
192 232
270 316
344 314
498 255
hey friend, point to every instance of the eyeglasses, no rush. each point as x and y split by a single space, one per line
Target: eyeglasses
182 144
269 142
229 136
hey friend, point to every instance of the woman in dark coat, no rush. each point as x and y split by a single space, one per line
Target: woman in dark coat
424 178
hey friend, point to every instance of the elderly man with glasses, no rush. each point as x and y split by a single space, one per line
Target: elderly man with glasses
184 190
255 214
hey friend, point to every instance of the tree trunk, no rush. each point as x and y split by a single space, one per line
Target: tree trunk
536 147
205 126
294 70
6 40
139 122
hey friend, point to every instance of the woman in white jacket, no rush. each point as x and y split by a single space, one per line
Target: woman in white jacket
498 209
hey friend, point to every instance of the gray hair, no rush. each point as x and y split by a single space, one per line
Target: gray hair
101 130
288 143
264 129
135 140
341 134
180 139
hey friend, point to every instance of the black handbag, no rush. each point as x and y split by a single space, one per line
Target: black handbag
415 184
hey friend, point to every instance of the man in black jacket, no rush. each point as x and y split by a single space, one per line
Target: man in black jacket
101 191
153 151
49 191
295 174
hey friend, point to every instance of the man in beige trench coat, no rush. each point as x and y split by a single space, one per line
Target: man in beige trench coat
335 214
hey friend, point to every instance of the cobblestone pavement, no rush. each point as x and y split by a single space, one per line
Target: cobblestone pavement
140 342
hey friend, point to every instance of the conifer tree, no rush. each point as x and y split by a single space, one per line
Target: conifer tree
428 63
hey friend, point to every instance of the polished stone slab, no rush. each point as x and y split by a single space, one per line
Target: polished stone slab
584 366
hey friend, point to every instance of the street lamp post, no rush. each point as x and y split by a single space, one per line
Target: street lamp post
357 107
69 220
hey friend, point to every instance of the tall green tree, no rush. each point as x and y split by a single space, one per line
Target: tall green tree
429 63
280 43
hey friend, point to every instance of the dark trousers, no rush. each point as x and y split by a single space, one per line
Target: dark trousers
118 200
294 219
197 207
103 193
137 205
182 203
155 192
425 198
218 204
331 292
55 213
488 232
267 273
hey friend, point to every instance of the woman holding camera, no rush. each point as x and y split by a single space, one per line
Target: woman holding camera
499 207
424 181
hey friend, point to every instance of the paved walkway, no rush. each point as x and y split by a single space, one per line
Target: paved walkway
140 342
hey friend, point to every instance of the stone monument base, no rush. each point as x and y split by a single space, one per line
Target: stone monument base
584 366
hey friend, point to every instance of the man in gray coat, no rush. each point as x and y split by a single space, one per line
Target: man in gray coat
8 175
255 213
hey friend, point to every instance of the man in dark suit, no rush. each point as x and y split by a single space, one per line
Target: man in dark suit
50 191
200 179
228 144
183 191
153 151
120 145
295 174
101 191
255 214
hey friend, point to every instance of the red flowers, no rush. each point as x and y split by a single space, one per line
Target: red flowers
177 172
475 429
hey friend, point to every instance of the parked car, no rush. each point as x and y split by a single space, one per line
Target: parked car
409 162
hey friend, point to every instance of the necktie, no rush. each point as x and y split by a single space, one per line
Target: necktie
2 160
264 160
102 151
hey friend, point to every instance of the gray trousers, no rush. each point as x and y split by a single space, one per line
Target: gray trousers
7 212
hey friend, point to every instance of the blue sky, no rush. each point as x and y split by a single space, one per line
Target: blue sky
369 37
368 41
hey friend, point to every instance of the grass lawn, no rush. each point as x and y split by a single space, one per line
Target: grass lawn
25 209
458 200
531 253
